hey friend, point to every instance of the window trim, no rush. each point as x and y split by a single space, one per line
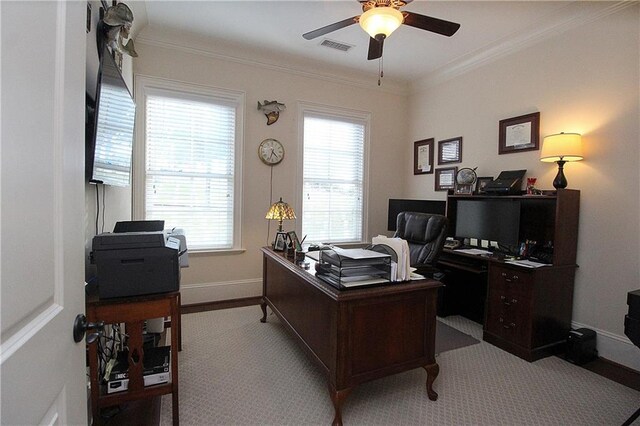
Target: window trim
146 85
333 112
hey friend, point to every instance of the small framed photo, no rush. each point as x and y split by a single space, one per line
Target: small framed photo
293 241
423 157
482 183
464 188
450 151
280 242
446 178
519 134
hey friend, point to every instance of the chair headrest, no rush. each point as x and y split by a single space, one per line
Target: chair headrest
420 227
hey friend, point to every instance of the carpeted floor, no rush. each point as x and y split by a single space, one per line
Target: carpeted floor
235 370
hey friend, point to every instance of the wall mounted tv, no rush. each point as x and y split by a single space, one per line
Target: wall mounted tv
109 127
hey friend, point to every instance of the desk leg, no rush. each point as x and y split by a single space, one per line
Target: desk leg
432 373
338 398
263 306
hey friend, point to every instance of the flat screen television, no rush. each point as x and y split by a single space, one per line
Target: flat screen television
109 127
491 220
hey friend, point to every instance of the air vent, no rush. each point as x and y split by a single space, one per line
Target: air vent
336 45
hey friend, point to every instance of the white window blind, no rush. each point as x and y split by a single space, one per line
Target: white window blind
333 178
114 135
190 157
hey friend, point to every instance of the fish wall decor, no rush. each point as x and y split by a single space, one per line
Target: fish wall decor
117 23
271 110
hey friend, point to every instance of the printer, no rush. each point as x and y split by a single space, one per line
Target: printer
138 263
509 182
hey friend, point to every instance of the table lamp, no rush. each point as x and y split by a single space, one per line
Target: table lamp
560 148
280 211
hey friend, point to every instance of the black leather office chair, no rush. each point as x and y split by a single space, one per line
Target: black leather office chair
425 233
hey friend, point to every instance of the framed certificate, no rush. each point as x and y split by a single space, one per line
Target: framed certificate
519 134
423 157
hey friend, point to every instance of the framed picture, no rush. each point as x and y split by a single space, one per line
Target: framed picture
519 134
280 242
446 178
423 157
464 188
450 151
481 183
293 240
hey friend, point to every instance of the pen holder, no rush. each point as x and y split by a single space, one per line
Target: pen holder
300 256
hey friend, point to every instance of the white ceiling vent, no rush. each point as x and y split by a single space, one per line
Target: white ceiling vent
336 45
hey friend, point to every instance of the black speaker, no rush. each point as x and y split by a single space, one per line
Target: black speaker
581 346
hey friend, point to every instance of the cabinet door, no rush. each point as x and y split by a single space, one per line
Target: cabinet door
509 304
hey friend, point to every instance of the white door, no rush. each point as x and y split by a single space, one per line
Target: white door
42 74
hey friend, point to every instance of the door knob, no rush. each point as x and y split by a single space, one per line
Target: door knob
80 326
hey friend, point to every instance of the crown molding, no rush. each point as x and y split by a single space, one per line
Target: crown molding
366 82
541 30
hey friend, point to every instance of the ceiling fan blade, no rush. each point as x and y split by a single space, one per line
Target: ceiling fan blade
375 47
429 23
331 27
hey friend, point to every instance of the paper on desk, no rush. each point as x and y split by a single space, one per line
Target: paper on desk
401 247
473 251
359 253
526 263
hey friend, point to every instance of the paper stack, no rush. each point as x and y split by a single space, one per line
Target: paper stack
401 247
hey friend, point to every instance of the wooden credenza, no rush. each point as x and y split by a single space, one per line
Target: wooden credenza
354 335
526 312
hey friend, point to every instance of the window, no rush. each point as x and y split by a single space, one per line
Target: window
333 184
191 164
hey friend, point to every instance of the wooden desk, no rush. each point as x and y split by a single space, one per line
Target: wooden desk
354 335
133 311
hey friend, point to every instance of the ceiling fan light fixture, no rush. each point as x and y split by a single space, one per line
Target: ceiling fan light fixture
381 20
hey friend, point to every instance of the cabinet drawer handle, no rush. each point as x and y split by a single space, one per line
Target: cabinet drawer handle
504 274
514 300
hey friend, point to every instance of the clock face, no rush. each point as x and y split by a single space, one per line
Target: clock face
271 152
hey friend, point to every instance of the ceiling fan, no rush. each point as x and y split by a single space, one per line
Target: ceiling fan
381 17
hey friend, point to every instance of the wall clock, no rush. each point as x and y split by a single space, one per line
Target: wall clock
271 152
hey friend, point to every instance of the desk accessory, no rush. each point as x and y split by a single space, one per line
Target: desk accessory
280 211
465 180
560 148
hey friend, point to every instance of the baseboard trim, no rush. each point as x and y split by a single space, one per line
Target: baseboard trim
613 371
193 294
220 304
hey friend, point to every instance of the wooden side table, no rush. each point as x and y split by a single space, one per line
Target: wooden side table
133 311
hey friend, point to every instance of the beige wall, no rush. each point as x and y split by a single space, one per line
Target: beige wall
214 276
585 80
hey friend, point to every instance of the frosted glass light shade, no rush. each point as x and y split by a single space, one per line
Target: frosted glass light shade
381 20
561 147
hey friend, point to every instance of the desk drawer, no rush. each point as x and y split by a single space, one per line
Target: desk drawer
509 304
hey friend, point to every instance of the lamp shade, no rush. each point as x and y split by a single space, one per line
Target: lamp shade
381 20
561 147
280 211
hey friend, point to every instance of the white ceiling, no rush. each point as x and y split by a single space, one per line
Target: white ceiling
409 53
